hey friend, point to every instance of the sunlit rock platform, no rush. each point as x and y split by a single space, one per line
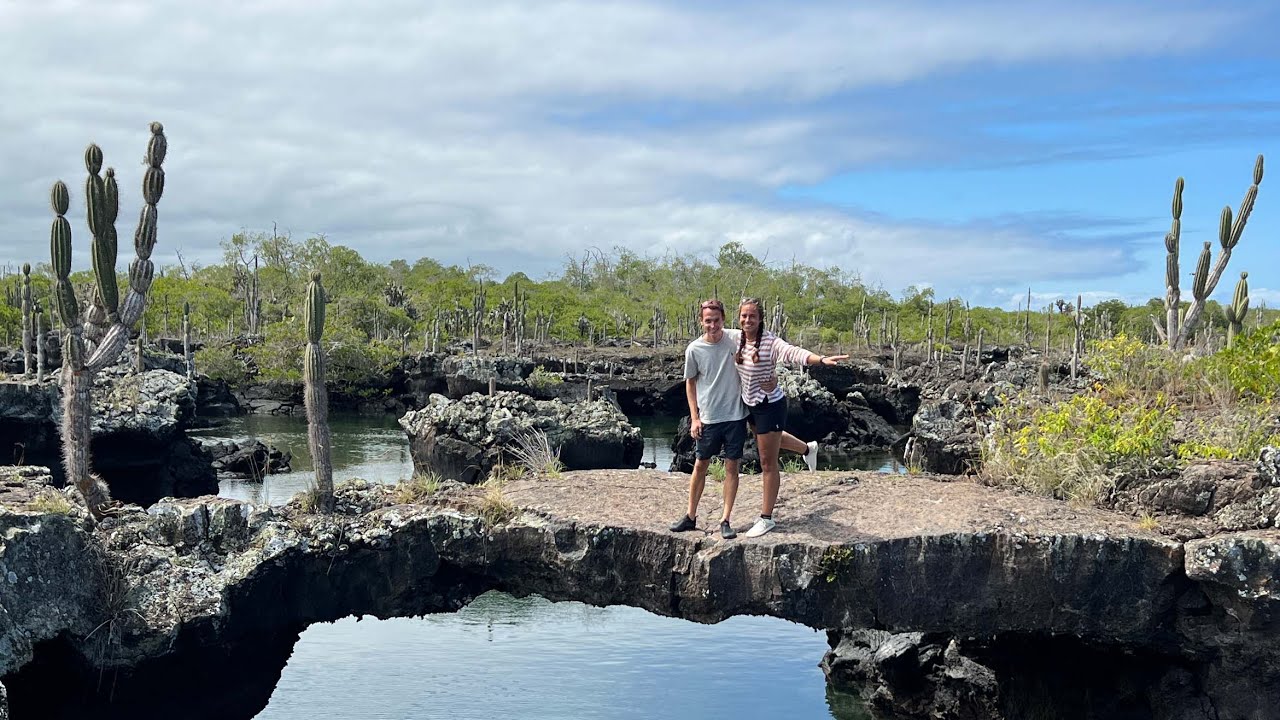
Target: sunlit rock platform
193 597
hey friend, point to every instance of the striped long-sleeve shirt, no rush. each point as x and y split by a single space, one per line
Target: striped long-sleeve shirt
773 350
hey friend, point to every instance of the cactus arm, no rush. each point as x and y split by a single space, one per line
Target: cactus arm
1228 235
141 269
1172 240
1200 278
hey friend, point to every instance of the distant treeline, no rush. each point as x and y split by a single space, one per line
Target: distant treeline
259 286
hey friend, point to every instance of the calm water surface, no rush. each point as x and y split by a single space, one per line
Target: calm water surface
527 658
503 657
374 447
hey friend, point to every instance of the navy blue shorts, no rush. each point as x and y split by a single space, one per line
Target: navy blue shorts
768 417
723 438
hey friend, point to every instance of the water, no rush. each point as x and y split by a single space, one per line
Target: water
525 658
373 447
529 658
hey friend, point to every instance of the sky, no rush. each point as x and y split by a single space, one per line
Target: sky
978 148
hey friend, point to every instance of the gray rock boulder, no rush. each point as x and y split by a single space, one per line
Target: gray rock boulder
251 459
912 675
465 439
466 374
139 443
944 438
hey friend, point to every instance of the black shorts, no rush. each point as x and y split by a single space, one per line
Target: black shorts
723 438
768 417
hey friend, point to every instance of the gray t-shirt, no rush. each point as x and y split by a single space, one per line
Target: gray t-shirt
719 398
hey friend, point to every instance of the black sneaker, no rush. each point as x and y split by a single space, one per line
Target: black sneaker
726 530
685 523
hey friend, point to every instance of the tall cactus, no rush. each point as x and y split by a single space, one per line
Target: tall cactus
28 357
1177 332
1238 309
316 397
1172 241
98 343
187 354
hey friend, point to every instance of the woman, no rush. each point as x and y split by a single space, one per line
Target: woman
759 352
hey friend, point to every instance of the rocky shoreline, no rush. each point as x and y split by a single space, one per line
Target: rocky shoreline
190 583
937 596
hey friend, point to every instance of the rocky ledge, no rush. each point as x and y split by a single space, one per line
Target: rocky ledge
467 438
139 444
192 598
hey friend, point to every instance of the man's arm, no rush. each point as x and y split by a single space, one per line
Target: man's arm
691 395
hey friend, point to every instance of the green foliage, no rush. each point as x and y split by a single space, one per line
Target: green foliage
418 488
1250 368
220 362
1125 361
542 379
1125 425
716 470
352 359
1238 432
1073 449
834 562
494 508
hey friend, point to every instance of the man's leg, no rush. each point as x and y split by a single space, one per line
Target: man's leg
697 482
731 468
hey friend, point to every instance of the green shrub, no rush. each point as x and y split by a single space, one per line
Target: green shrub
1249 369
221 363
417 488
542 379
352 359
1073 449
1126 363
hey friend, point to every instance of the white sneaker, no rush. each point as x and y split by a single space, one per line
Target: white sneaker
811 457
762 526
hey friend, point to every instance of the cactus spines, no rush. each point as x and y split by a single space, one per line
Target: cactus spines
1238 309
1202 274
313 311
1229 231
1224 229
103 324
1172 241
111 196
152 185
186 343
157 146
28 360
60 254
60 198
1178 186
315 396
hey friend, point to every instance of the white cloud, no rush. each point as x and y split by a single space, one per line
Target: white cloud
509 132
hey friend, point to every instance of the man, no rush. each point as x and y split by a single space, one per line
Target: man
717 416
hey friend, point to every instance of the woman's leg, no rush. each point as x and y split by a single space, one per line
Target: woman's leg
768 444
793 443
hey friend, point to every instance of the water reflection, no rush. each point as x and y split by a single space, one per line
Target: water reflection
530 658
373 447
